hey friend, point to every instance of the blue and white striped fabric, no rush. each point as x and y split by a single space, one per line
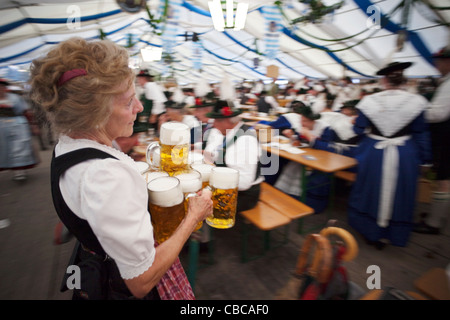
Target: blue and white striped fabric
272 16
170 28
197 51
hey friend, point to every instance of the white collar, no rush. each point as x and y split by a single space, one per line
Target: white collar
392 110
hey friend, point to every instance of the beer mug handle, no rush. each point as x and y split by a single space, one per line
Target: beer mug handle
188 196
191 195
149 153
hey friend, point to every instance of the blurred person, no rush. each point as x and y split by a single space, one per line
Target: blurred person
317 134
438 116
179 112
199 110
394 144
97 190
263 105
152 98
189 96
236 146
144 117
343 140
16 144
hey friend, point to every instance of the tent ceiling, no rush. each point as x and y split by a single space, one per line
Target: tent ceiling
29 28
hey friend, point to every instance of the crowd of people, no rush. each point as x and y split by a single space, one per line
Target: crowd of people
394 127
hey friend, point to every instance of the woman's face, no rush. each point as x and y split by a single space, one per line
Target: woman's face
307 123
125 108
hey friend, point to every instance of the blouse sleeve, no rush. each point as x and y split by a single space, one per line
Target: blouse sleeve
114 201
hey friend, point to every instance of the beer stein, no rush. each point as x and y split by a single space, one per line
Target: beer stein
224 186
173 146
166 206
150 175
205 171
191 183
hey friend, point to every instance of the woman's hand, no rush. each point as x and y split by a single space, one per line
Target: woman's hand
201 206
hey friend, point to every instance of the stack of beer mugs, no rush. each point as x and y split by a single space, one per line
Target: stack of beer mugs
172 181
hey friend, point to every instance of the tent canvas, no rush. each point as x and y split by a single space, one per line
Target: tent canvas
356 40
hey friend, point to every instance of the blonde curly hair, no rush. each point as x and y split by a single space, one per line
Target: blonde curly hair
83 103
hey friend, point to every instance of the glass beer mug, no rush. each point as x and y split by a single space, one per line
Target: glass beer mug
224 185
150 175
166 206
191 183
205 171
174 146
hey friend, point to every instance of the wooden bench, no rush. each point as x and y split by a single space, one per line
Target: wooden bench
274 209
283 203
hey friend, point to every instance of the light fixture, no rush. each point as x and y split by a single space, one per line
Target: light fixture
241 15
151 53
236 22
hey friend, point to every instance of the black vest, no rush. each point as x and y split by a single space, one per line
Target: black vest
80 228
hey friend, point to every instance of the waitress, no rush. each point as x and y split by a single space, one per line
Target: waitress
88 91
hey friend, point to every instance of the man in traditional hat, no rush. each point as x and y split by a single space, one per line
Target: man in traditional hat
438 115
236 147
200 109
395 142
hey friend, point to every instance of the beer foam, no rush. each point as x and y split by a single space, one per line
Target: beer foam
190 181
165 191
142 166
224 178
174 133
204 169
149 176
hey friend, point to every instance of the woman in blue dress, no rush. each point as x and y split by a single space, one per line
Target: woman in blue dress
395 142
16 145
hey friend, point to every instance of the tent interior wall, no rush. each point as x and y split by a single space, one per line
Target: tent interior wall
355 40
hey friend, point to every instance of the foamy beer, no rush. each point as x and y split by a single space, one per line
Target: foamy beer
174 145
205 171
224 184
166 206
150 175
191 183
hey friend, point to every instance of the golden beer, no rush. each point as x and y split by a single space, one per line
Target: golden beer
174 158
191 183
166 206
174 146
224 184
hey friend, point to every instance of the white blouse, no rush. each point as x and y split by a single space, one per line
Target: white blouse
112 196
243 155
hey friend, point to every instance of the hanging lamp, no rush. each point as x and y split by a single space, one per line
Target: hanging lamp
235 19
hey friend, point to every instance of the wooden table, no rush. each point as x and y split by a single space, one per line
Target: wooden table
328 162
324 161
